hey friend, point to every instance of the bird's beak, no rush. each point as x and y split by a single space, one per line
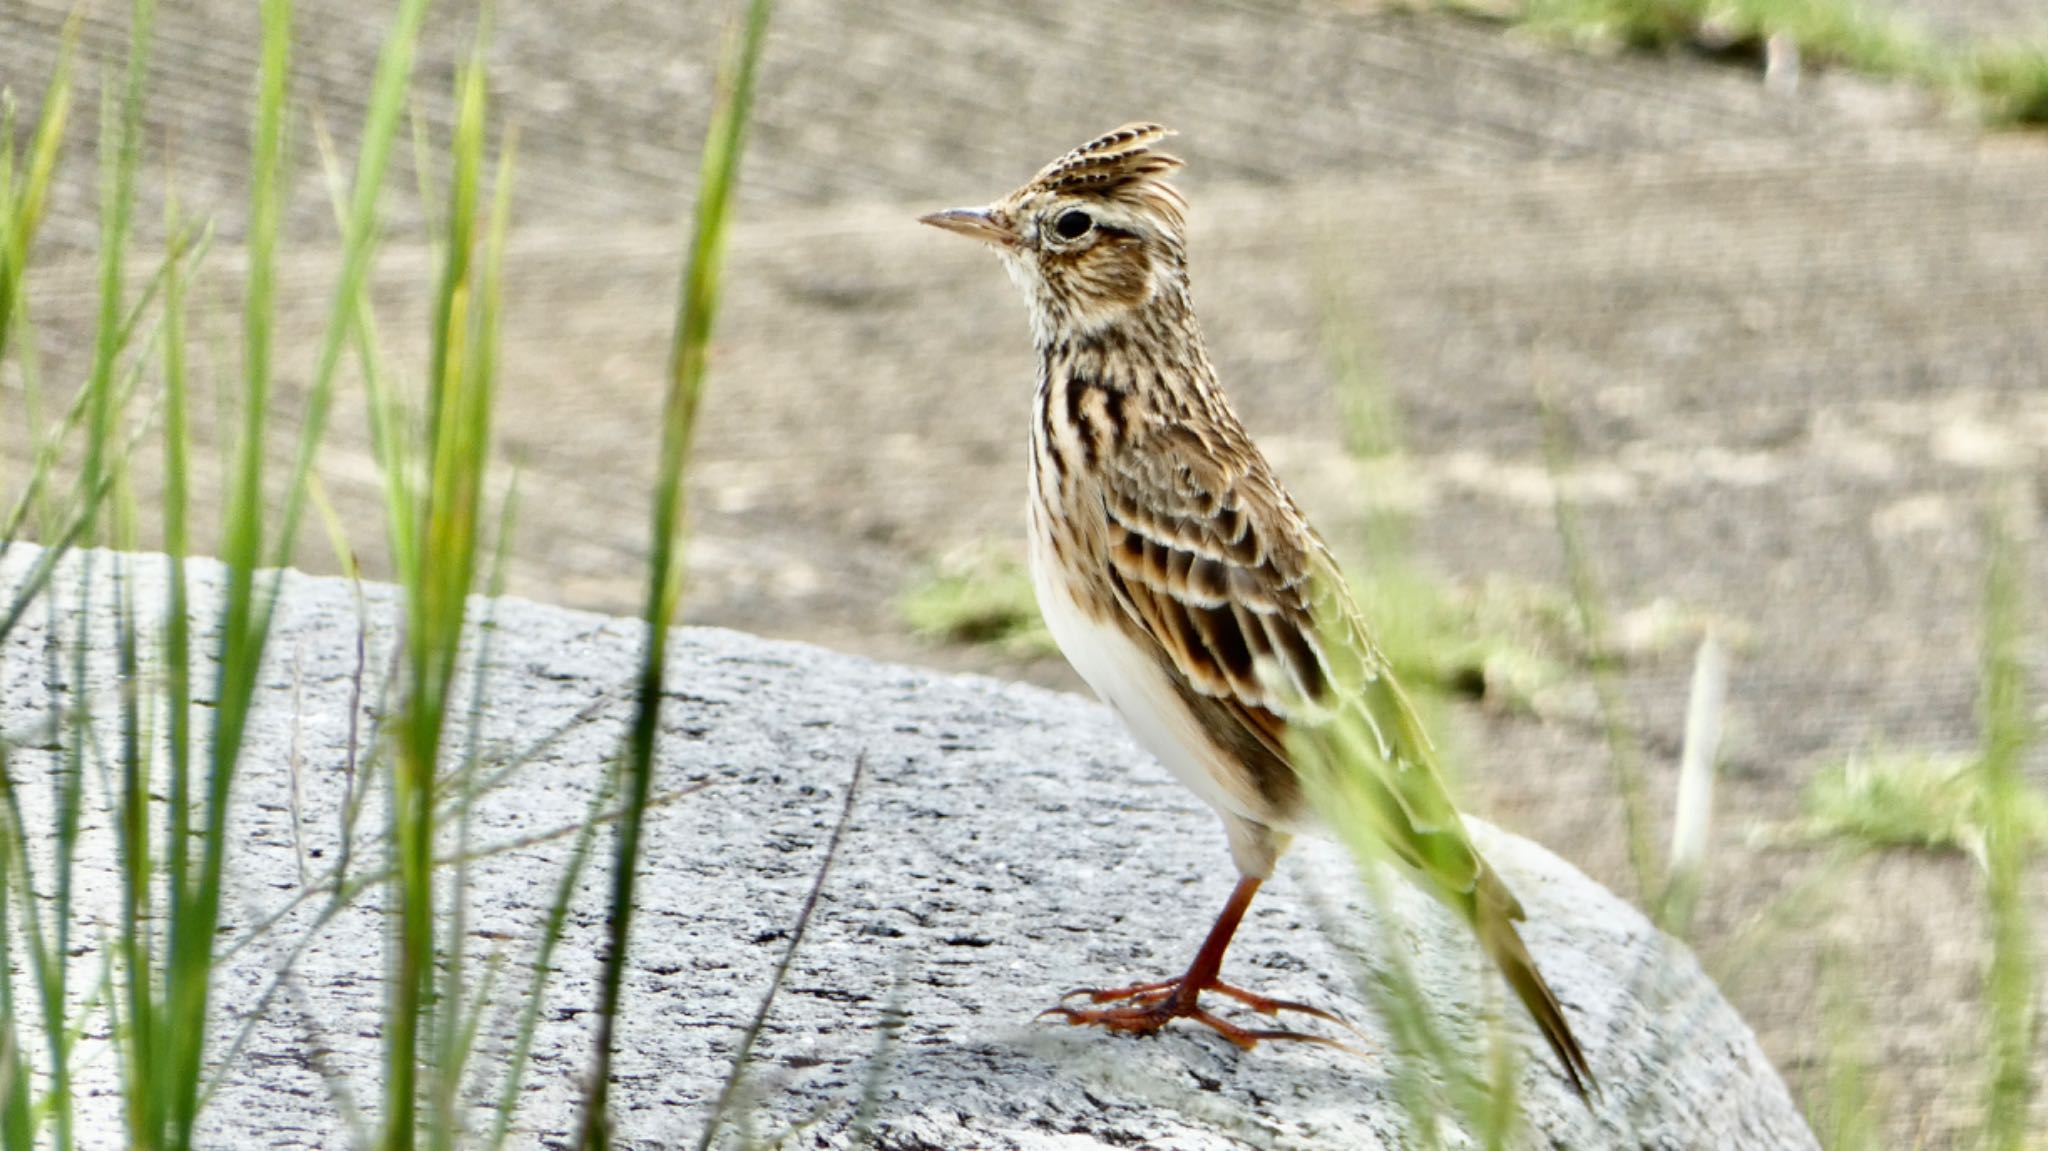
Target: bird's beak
974 223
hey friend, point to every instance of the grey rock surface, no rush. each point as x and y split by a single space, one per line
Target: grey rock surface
1005 843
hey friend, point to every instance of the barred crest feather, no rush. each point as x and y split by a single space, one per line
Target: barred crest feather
1119 165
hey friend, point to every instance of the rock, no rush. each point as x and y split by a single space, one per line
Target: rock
1005 843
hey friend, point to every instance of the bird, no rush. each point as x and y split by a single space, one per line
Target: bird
1183 583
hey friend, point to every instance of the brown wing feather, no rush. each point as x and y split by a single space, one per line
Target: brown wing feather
1212 560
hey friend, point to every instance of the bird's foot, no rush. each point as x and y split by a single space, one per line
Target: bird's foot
1146 1007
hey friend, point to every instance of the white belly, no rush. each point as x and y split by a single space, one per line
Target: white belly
1130 680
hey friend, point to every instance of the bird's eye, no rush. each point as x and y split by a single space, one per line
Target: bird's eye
1072 225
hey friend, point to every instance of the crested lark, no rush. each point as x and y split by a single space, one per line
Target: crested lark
1185 586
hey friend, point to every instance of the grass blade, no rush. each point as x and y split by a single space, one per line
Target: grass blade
543 966
2008 728
445 532
177 630
195 898
745 1051
21 204
1625 755
359 242
17 1132
724 144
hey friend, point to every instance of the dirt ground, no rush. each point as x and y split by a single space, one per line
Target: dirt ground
1795 340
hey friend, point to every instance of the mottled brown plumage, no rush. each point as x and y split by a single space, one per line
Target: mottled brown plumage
1185 585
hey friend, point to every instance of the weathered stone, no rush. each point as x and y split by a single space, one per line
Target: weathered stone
1005 843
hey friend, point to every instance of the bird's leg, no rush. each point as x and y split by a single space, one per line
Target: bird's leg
1147 1007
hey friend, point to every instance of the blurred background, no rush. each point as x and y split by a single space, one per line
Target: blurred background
1757 293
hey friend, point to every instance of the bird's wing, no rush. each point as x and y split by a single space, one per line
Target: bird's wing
1210 558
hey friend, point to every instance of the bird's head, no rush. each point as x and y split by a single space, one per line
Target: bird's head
1094 237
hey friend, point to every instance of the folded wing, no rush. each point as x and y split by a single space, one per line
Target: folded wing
1211 559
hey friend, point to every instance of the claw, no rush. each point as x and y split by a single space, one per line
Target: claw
1267 1006
1121 994
1118 994
1148 1007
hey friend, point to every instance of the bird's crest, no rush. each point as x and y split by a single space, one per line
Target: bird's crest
1118 165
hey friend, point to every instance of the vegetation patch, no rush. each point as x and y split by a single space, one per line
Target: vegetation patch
1917 799
2004 81
980 594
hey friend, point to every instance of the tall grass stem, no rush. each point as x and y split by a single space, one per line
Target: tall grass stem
725 143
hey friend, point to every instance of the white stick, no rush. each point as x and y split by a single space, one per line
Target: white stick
1693 820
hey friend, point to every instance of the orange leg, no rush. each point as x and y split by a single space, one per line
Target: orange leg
1147 1007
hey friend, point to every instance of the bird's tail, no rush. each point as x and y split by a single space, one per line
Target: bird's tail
1494 913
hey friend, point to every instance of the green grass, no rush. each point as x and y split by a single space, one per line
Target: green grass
2012 82
725 142
1612 24
1845 1114
25 182
1980 805
980 595
1439 1085
2006 82
1916 799
1624 746
2011 1008
168 776
437 516
1501 641
1848 33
